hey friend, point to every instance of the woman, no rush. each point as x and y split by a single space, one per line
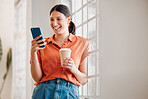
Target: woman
56 80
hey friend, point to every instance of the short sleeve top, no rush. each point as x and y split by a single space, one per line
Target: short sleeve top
49 58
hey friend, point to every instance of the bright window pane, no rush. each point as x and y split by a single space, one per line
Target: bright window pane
78 18
85 14
80 90
79 31
73 19
91 87
91 64
84 2
85 30
78 4
73 6
92 9
85 89
92 29
97 86
92 44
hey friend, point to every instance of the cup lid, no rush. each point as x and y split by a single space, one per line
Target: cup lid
65 49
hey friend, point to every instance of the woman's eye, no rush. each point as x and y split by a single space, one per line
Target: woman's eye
58 19
51 19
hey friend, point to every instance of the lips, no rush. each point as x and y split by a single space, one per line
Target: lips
57 28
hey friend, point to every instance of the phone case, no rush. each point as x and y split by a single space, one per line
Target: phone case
36 31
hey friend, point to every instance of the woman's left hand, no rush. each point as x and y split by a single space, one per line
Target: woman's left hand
68 64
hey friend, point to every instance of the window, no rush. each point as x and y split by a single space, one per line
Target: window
85 16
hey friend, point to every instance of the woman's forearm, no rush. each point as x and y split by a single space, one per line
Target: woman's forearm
36 70
81 77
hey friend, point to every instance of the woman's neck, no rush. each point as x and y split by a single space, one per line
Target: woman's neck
61 37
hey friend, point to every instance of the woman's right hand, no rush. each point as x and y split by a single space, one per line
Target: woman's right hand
35 46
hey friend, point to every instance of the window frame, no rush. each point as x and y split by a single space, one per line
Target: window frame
96 76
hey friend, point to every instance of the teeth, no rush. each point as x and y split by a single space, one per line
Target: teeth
56 27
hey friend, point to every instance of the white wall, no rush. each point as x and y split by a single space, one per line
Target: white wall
41 15
6 35
29 80
67 3
124 49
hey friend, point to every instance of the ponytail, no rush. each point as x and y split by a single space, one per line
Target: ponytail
72 28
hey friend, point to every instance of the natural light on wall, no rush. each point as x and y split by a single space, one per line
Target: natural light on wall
19 64
85 16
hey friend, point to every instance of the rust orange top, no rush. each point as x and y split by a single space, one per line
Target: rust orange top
49 57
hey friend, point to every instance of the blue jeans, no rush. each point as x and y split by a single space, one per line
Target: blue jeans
56 89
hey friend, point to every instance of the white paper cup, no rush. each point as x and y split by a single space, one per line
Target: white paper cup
64 53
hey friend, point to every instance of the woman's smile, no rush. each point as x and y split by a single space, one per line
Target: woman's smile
57 28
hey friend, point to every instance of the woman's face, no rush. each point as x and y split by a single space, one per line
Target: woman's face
59 23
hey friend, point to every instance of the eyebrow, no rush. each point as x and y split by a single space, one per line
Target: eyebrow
56 17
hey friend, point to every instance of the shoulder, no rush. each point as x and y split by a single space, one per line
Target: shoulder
82 39
82 42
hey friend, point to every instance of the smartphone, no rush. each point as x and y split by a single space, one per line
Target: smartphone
36 31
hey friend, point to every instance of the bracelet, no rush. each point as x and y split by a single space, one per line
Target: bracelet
31 60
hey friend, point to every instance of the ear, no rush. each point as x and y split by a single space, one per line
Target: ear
69 19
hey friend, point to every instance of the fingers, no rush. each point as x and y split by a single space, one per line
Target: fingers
40 41
36 44
68 65
68 59
34 41
67 62
41 44
37 47
37 37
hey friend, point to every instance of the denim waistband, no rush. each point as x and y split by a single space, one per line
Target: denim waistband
60 80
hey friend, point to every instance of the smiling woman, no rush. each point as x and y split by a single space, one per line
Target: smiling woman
62 79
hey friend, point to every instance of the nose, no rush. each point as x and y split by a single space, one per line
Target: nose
55 23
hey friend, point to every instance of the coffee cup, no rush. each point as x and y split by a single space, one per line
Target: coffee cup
64 53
